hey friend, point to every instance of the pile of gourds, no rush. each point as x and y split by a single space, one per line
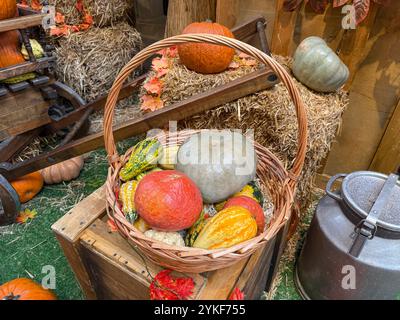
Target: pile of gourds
201 204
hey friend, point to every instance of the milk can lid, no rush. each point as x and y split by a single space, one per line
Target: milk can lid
361 189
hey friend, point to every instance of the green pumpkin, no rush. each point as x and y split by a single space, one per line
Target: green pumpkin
318 67
144 157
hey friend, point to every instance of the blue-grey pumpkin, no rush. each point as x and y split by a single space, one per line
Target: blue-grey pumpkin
318 67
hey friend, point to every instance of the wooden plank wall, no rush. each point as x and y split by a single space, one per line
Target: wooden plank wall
369 137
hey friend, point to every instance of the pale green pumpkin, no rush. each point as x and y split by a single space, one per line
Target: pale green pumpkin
318 67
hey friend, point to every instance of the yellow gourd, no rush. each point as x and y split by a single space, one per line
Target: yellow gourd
127 197
228 227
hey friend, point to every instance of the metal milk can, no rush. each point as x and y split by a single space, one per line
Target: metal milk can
352 249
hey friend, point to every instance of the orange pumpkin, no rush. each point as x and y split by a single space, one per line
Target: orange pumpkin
28 186
8 9
251 205
168 200
204 57
24 289
9 49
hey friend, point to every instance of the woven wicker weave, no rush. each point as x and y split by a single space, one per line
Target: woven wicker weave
279 182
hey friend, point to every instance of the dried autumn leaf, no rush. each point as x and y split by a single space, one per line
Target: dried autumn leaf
59 18
172 52
111 225
236 294
161 73
361 8
36 5
154 86
339 3
160 63
165 287
151 103
26 215
234 65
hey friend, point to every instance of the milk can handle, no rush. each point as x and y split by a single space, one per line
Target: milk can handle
329 191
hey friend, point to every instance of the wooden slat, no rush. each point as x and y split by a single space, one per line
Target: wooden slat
256 81
387 157
115 248
22 22
227 12
284 26
19 69
11 146
71 225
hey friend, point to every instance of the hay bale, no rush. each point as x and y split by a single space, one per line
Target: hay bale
104 13
269 112
90 61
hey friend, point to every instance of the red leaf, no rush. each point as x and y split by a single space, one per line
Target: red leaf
318 6
154 86
236 294
160 63
339 3
291 5
79 5
165 287
361 7
111 225
151 103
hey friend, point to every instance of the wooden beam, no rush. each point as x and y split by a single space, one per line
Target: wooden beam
22 22
387 157
227 12
181 13
26 67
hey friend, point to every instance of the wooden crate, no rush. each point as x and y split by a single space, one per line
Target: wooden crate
107 267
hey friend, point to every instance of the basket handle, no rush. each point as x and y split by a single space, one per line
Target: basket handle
262 57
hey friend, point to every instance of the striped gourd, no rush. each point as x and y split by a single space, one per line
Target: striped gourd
228 227
194 230
144 157
251 190
127 197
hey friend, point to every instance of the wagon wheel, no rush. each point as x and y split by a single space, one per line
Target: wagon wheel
9 202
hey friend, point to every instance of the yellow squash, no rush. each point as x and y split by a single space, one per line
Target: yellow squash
127 197
227 228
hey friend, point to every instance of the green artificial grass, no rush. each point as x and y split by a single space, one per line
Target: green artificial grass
26 248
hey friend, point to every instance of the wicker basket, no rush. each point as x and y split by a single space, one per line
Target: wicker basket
279 182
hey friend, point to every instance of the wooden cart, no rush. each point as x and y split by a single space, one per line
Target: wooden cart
107 267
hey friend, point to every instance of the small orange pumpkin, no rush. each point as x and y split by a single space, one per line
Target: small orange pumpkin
25 289
8 9
9 49
204 57
63 171
28 186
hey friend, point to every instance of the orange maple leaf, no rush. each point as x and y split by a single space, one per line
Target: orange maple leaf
161 73
151 103
154 86
172 52
111 225
26 215
60 18
35 5
160 63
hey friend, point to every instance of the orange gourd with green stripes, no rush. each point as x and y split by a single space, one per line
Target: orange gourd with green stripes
228 227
